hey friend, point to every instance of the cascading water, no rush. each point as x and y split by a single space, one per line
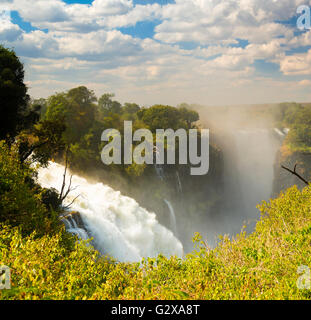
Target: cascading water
159 171
249 159
279 132
173 224
179 185
119 226
72 227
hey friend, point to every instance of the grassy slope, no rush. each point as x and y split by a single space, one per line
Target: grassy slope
262 265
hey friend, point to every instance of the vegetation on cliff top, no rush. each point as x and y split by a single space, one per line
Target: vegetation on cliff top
296 117
262 265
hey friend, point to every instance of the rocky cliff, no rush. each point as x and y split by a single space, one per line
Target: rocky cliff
284 179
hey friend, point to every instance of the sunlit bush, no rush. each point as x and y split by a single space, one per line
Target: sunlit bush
262 265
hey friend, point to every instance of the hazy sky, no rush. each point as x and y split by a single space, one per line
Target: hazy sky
201 51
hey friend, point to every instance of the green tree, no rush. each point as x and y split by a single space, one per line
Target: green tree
19 204
299 136
14 108
40 105
106 105
76 108
189 116
161 117
131 108
44 141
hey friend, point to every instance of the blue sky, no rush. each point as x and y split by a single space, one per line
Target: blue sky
142 29
163 51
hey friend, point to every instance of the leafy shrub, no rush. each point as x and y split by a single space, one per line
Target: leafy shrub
19 205
262 265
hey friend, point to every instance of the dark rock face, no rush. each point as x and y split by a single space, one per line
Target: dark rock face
77 218
195 199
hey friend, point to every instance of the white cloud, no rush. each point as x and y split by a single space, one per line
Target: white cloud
83 46
8 31
304 83
41 10
57 15
299 64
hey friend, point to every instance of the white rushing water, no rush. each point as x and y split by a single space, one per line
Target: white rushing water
173 223
72 227
179 185
279 132
119 226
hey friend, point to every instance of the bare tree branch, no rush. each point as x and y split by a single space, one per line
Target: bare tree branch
72 202
64 194
68 189
296 174
64 176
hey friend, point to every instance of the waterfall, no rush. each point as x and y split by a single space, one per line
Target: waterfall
119 226
179 185
72 227
279 132
158 167
159 171
74 224
249 173
256 153
81 233
68 225
173 224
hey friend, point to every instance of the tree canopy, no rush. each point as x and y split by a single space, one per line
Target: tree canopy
15 114
297 118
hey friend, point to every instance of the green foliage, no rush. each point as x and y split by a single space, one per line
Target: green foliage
167 117
135 170
262 265
84 122
44 139
50 198
14 111
107 106
189 116
76 109
297 118
19 204
40 105
42 267
130 108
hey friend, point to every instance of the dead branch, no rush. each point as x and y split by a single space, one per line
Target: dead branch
72 202
64 176
64 194
68 189
294 172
